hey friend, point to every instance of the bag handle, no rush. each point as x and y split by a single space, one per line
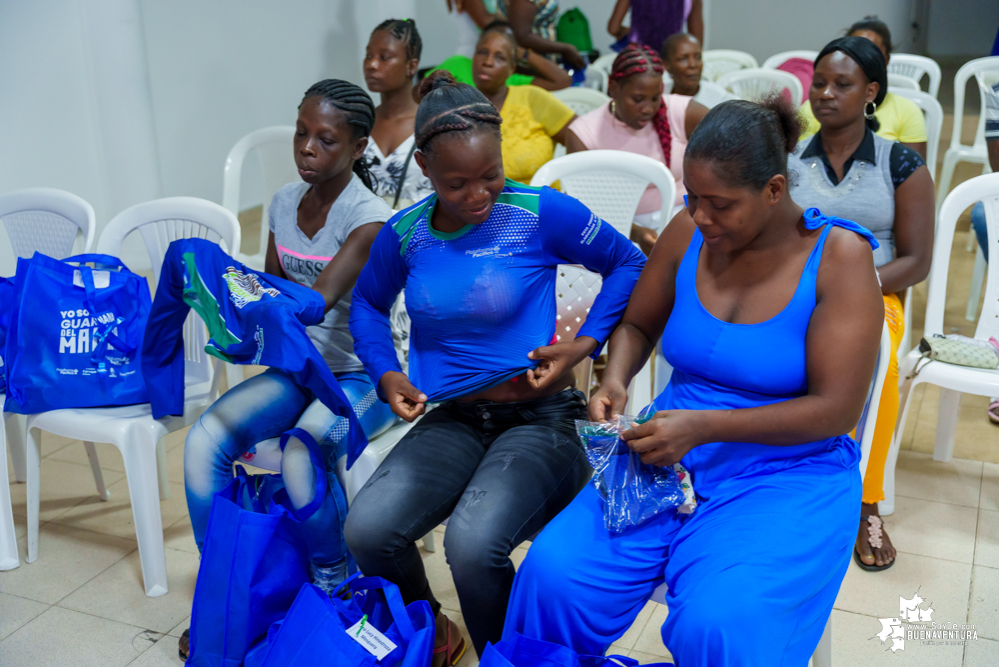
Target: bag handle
402 175
108 335
394 599
317 463
96 258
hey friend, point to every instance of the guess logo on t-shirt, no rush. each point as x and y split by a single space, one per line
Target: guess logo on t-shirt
297 264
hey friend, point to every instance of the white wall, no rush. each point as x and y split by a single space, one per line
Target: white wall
963 27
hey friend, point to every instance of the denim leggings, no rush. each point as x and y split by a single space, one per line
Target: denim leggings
501 471
263 407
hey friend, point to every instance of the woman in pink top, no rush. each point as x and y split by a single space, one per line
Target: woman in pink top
640 119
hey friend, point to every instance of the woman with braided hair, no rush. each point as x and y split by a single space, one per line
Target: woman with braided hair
390 63
499 454
321 233
640 119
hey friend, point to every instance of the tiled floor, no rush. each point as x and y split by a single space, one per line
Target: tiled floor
82 603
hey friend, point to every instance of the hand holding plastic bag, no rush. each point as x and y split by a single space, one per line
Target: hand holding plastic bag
633 492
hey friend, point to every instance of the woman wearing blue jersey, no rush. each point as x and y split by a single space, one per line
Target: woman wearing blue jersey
770 317
499 455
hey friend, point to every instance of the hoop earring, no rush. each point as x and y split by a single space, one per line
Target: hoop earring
869 115
612 108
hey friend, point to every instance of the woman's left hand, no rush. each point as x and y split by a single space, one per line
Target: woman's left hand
667 437
555 360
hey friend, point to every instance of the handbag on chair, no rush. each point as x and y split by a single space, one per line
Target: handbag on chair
75 334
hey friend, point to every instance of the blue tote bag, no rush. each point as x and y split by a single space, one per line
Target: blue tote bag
520 651
74 334
315 631
6 303
253 564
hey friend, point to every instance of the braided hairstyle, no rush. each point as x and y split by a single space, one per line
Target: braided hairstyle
359 110
448 106
642 59
405 31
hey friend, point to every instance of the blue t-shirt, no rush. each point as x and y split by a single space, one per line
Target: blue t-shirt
482 297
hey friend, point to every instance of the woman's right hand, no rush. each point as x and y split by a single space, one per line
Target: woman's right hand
608 401
404 399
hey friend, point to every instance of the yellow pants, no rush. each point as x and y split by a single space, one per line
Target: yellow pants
884 427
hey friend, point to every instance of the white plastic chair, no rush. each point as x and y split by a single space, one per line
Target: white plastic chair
595 79
754 84
822 656
778 59
915 67
953 380
934 123
132 428
581 100
605 62
48 221
901 81
610 183
274 148
983 69
717 62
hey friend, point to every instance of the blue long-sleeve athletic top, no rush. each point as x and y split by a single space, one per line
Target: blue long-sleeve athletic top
482 297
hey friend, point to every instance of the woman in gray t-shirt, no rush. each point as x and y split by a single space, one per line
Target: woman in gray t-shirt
321 233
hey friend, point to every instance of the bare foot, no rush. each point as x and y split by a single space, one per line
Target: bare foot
867 547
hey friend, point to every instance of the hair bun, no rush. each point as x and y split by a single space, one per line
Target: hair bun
789 122
437 79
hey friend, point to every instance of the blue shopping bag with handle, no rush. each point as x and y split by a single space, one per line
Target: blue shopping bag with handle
74 334
253 564
369 626
6 303
521 651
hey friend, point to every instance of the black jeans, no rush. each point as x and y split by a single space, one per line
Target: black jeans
501 471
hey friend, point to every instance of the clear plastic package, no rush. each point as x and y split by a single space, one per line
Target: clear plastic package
632 491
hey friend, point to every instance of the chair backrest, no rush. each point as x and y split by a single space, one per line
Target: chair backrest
984 70
934 123
160 222
595 79
667 83
610 183
605 62
575 290
722 61
984 188
581 100
902 81
754 84
273 146
46 220
915 67
778 59
869 417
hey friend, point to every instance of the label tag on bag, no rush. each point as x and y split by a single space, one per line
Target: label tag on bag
373 641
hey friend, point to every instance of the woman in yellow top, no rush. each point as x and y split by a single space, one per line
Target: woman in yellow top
533 119
901 120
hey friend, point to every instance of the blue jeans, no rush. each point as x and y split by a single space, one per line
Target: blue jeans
978 226
263 407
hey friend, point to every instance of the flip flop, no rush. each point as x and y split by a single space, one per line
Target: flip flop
455 652
874 534
993 411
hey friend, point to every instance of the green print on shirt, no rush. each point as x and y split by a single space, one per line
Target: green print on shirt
204 303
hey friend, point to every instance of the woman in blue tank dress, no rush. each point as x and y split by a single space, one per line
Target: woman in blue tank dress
771 317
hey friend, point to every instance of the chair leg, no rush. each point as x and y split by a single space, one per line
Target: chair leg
947 409
33 460
887 506
14 425
9 558
139 454
430 542
946 174
162 475
823 652
977 281
95 467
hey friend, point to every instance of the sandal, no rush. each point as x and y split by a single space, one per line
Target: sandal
184 645
874 534
993 411
454 652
